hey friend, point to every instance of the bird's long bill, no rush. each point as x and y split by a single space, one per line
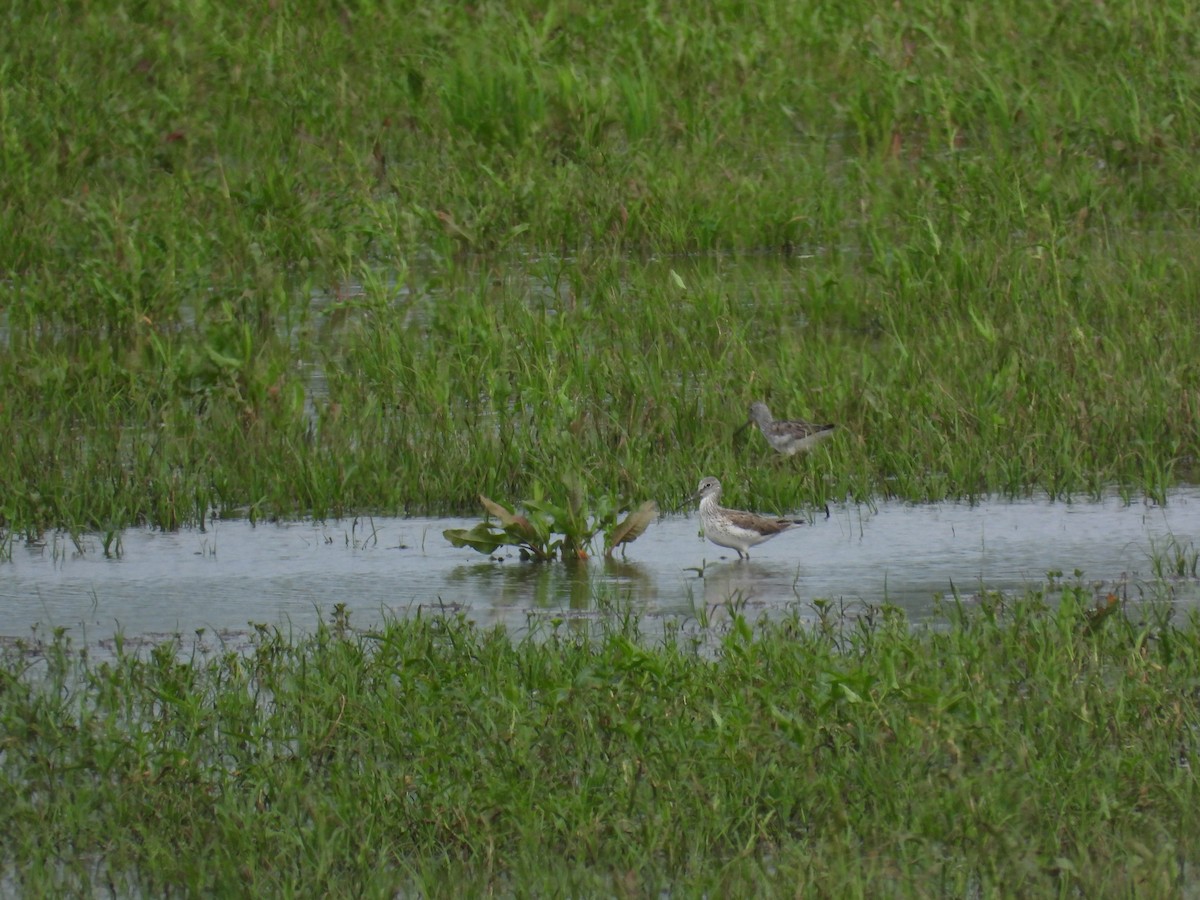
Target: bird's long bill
743 427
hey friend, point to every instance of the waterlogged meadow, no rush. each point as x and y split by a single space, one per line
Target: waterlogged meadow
323 260
290 261
1020 750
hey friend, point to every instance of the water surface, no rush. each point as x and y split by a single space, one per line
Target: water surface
236 575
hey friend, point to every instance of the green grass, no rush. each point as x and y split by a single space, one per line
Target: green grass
321 259
535 243
1028 747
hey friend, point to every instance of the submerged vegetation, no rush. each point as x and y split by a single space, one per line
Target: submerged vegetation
318 259
1019 750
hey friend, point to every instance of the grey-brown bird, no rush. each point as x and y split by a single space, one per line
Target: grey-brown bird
786 436
734 528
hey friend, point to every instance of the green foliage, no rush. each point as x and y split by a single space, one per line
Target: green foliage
549 529
1029 745
313 260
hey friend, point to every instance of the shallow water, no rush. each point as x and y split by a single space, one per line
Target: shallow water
236 574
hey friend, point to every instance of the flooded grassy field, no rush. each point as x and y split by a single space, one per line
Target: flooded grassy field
287 289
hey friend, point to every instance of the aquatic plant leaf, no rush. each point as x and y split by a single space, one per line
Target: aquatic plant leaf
480 538
575 496
632 526
513 523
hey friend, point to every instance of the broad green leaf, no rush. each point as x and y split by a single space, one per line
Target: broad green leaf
631 528
480 538
514 524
